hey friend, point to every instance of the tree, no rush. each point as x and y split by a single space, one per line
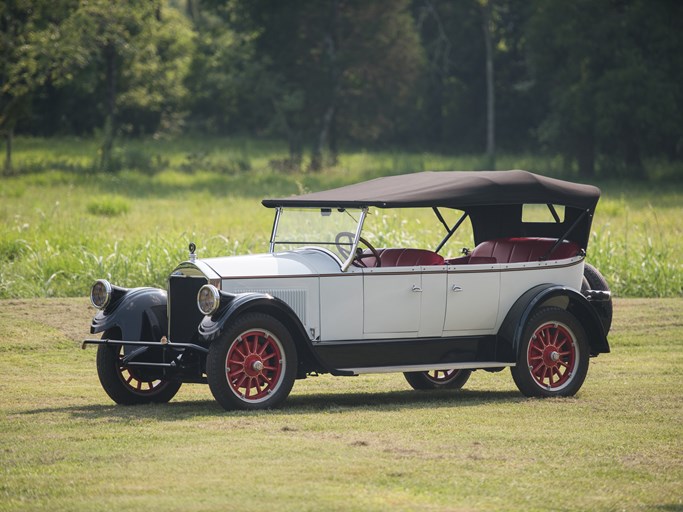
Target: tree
20 72
610 74
342 68
487 28
133 51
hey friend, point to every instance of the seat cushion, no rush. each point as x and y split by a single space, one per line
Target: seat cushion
519 250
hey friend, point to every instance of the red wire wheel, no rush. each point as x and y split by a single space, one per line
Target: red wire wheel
135 382
253 364
553 355
131 385
438 379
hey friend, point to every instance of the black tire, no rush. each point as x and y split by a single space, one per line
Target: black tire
253 364
130 386
438 379
594 280
553 355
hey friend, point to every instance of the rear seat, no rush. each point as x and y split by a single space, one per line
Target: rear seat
404 258
519 250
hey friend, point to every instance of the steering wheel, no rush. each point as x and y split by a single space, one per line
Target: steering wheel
359 255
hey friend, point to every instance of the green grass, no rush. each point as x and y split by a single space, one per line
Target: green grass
363 443
62 226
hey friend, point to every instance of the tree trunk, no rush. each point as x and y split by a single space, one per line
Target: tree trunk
295 150
633 157
586 156
490 96
323 139
108 135
331 41
9 135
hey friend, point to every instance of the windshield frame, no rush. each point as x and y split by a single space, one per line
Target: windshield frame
354 244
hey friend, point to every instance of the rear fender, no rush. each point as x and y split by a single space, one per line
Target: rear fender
512 329
139 314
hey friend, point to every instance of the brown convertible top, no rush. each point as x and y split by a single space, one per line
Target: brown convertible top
450 189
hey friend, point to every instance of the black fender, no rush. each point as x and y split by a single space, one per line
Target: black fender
139 313
512 328
232 305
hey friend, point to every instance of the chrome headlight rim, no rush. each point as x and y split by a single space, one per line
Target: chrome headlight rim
208 299
95 298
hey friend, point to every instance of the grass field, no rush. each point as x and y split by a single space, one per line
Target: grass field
63 226
363 443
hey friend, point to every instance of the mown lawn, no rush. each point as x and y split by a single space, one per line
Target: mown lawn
363 443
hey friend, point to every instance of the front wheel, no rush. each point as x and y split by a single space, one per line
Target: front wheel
553 355
253 365
438 379
127 385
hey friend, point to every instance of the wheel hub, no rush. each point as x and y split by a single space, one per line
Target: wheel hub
551 356
253 366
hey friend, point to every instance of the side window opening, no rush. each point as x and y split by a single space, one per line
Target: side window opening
543 213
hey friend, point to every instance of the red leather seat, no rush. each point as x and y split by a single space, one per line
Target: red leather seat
404 258
518 250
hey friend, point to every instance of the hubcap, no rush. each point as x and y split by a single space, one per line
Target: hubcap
552 356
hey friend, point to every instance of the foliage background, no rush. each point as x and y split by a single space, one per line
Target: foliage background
596 82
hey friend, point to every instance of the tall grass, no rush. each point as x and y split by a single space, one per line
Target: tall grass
63 226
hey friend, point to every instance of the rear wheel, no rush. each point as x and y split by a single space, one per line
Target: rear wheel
130 386
553 355
253 365
438 379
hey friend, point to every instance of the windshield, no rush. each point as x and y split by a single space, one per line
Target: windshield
333 229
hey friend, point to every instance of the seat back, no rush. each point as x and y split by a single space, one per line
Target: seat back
404 258
519 250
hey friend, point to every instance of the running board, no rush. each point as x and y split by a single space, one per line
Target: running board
426 367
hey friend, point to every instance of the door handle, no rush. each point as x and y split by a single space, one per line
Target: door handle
456 288
416 288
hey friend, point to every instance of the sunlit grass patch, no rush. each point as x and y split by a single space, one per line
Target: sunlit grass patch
108 206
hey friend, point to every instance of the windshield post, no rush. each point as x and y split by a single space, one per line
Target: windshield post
356 238
278 212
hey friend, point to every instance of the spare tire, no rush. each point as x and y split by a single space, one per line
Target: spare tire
594 280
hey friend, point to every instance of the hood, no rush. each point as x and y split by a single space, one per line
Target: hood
290 263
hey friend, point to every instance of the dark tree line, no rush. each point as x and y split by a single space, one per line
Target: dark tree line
597 81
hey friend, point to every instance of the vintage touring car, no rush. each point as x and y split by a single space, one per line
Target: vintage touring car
325 300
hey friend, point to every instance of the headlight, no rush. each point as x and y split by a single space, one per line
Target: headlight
100 294
208 299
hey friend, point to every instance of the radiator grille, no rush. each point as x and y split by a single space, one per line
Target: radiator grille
184 316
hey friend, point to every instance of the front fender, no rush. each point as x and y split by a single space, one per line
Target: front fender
140 314
512 328
212 327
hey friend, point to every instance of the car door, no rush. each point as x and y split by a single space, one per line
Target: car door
403 301
472 299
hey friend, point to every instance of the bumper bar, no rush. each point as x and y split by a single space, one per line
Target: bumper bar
598 295
168 344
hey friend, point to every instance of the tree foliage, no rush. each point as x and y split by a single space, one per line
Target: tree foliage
597 81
